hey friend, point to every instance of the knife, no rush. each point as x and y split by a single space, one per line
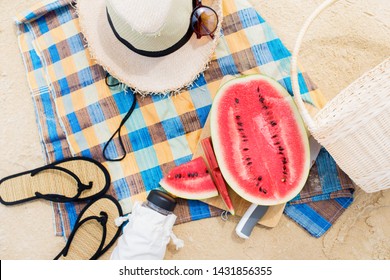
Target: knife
256 212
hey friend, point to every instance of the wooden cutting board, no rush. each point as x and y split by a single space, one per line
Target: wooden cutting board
274 213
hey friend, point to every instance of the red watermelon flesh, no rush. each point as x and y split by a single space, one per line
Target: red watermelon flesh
259 140
190 180
216 173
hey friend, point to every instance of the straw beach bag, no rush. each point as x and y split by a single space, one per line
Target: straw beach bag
354 127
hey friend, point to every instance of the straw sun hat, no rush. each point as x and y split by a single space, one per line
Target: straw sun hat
148 45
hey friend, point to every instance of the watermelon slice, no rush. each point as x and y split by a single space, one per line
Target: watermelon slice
190 180
259 140
216 173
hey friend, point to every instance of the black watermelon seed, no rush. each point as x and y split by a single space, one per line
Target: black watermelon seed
259 178
258 89
237 117
248 158
273 123
245 149
265 107
284 160
277 143
237 100
281 148
244 140
249 163
239 123
264 191
274 136
261 99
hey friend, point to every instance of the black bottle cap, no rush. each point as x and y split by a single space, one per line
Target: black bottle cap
162 200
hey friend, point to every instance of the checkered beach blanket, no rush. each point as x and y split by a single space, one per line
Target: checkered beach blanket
77 112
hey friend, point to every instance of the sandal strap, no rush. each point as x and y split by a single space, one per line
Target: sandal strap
61 198
102 220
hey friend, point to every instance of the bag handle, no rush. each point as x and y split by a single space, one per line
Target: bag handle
311 125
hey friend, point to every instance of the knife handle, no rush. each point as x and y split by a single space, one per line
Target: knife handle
250 219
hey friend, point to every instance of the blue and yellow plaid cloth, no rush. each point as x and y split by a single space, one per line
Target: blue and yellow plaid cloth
77 113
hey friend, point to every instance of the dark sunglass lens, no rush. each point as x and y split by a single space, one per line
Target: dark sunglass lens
204 21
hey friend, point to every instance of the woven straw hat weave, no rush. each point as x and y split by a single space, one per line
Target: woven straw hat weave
149 25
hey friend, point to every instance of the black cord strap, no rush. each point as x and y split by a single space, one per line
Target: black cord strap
186 37
102 220
57 197
118 131
111 85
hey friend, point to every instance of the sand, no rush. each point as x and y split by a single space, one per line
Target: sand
349 39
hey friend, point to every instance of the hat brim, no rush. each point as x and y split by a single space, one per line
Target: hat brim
144 74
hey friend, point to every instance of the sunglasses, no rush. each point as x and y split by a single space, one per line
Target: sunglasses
204 20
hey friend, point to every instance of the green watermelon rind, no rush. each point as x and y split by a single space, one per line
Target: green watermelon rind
199 195
228 177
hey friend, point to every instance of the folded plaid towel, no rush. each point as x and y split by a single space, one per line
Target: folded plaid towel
77 113
327 193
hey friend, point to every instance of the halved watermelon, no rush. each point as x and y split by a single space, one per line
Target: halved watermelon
259 140
190 180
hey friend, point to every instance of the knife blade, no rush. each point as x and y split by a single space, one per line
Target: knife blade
256 212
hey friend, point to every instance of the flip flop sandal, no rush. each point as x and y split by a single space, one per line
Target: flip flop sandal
69 180
94 232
